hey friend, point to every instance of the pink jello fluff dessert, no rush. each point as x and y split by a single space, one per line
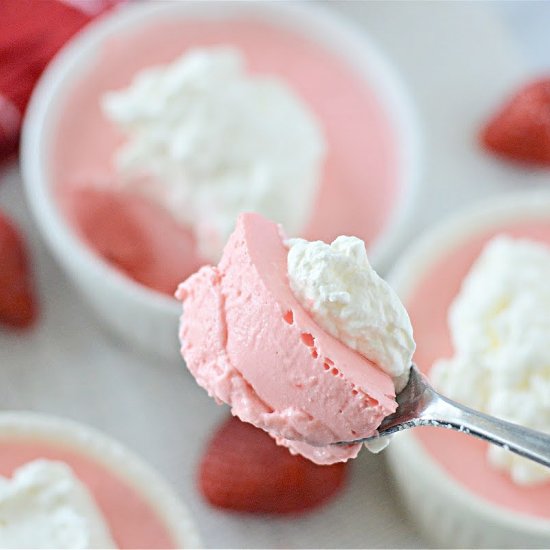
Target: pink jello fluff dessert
301 339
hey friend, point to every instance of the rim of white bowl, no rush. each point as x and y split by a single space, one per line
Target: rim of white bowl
411 267
26 425
330 29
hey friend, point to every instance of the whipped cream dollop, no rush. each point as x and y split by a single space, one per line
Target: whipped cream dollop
500 328
44 505
336 284
207 140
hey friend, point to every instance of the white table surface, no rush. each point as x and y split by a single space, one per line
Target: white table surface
458 59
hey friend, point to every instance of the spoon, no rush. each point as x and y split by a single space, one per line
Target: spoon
420 405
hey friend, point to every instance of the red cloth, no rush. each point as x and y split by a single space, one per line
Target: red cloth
31 32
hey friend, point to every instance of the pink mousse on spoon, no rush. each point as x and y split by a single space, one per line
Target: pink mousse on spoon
250 343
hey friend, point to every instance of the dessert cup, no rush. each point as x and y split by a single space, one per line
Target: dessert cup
145 318
457 497
141 510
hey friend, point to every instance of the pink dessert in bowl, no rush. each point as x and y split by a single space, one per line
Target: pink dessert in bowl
38 456
310 372
365 178
460 494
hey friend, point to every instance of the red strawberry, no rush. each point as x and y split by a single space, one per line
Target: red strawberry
17 304
244 469
520 131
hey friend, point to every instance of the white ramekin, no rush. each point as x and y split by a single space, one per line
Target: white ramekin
449 514
145 318
18 426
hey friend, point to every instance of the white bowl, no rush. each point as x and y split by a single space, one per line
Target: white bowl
448 513
145 318
111 455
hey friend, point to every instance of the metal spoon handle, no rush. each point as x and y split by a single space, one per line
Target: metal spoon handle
522 441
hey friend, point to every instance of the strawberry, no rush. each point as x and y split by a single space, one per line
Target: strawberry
244 469
17 303
119 237
520 131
